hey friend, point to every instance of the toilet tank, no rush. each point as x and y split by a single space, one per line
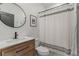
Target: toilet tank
37 42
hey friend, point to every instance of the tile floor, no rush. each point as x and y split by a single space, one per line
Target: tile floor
52 54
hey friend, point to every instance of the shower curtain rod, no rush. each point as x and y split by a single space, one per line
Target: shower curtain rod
69 9
53 8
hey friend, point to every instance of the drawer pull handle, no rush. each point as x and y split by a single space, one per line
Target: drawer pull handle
22 49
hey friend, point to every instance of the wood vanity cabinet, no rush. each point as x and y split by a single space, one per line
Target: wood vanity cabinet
22 49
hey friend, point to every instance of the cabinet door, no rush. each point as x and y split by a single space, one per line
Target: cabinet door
9 53
0 53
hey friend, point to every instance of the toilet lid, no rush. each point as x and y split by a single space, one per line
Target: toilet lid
42 49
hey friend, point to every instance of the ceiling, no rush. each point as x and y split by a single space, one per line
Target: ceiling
46 5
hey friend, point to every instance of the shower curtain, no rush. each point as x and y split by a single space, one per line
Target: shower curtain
58 29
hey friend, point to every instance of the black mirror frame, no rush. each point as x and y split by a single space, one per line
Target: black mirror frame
24 14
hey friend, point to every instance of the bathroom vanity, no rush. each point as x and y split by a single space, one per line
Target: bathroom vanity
20 47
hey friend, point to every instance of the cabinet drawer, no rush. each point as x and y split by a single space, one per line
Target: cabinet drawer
24 49
30 53
25 44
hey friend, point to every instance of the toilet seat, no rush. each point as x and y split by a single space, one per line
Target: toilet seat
42 49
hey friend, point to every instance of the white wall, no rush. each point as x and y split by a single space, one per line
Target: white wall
32 9
8 32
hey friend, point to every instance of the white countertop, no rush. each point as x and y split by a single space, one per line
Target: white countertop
11 42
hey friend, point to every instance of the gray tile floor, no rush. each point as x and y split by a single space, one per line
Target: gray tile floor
53 54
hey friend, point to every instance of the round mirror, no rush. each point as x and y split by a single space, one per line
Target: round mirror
12 15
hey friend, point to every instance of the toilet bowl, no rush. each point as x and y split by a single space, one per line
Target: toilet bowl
42 51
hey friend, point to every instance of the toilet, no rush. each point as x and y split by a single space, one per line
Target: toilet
41 51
